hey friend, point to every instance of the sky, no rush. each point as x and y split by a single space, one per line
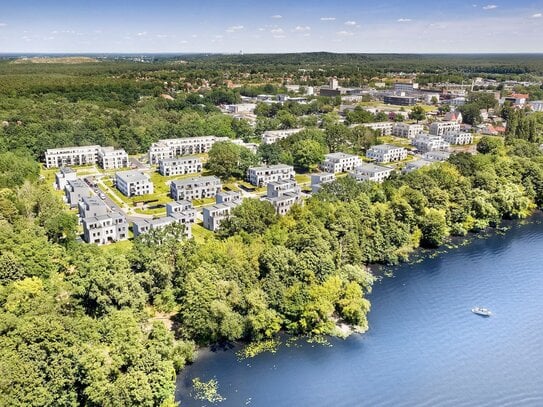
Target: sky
399 26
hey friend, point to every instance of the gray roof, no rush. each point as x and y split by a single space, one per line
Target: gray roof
66 170
132 176
371 168
272 167
384 147
196 180
180 159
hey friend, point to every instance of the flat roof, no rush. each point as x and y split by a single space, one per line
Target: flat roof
373 168
133 175
188 181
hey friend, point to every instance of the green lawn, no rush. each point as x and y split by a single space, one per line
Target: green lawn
302 178
200 234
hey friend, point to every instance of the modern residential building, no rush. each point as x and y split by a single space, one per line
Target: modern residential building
340 162
92 206
427 142
252 147
228 197
384 128
436 155
179 166
75 190
440 128
102 229
415 165
537 105
215 214
66 156
63 176
171 148
133 183
371 172
110 158
272 136
385 153
399 100
405 86
178 207
195 188
283 194
517 99
405 130
458 138
141 226
261 176
318 180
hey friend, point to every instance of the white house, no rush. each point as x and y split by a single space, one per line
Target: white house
436 156
371 172
384 128
340 162
283 195
133 183
385 153
66 156
63 176
213 215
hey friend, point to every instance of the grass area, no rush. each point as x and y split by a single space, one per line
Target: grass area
302 178
397 141
201 234
155 211
203 202
122 247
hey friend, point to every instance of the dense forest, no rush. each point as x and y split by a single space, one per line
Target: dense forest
105 326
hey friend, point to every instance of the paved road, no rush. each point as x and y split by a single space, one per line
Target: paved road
134 162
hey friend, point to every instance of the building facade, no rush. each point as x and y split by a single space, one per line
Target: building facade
437 156
340 162
283 195
371 172
179 166
70 156
261 176
195 188
385 153
427 142
63 176
405 130
440 128
110 158
133 183
75 190
384 128
215 214
272 136
318 180
459 138
171 148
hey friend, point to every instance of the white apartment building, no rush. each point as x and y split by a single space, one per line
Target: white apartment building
318 180
458 138
63 176
110 158
133 183
272 136
415 165
103 229
69 156
179 166
371 172
405 130
384 128
195 188
385 153
427 142
171 148
215 214
75 190
261 176
92 206
141 226
228 197
340 162
440 128
437 155
283 194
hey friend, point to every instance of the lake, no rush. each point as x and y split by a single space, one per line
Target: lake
424 347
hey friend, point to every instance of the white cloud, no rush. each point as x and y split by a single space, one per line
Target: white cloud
302 28
162 36
350 22
404 20
328 19
344 33
142 34
490 7
537 15
277 31
183 42
277 16
234 28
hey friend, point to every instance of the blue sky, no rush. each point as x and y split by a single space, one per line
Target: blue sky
271 26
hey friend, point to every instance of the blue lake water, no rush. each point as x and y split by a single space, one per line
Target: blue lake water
424 346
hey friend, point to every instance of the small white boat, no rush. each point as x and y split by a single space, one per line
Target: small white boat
485 312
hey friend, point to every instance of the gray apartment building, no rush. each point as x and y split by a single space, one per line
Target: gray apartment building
110 158
63 176
371 172
340 162
171 148
179 166
75 190
100 224
283 195
318 180
133 183
195 188
106 157
262 176
428 142
441 128
385 153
